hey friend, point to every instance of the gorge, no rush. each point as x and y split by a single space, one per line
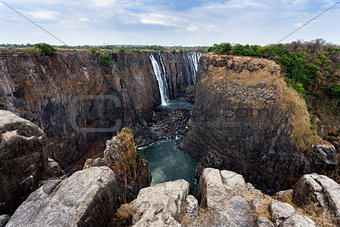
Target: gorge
42 89
234 117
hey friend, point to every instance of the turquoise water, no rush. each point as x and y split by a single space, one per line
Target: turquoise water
167 163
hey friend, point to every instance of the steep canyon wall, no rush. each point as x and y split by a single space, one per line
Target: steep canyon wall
43 89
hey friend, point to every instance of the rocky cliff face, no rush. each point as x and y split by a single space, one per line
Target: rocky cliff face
121 156
23 160
247 120
44 90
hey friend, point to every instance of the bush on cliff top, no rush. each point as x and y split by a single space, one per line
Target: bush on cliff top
45 49
105 59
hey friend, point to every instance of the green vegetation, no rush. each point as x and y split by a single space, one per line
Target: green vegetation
311 68
119 48
300 68
127 130
45 49
105 59
130 197
335 91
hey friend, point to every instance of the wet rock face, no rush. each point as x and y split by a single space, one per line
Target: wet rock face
87 198
41 89
247 120
131 170
23 160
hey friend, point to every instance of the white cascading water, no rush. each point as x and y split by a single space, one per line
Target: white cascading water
194 60
161 78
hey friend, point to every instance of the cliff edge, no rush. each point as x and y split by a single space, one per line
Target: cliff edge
246 119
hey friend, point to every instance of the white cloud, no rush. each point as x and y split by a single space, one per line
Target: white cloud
84 19
44 15
192 28
102 3
298 25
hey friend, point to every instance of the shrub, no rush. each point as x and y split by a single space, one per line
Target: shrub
126 130
335 91
45 49
105 59
299 88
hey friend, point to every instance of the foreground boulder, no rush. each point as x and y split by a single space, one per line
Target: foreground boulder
246 119
87 198
121 156
160 205
315 190
225 199
23 160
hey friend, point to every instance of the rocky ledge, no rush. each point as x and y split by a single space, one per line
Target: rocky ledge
225 199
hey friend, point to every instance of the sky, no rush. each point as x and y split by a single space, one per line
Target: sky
168 22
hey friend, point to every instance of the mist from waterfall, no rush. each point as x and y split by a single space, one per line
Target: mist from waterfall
160 72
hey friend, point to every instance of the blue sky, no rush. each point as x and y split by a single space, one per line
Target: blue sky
168 22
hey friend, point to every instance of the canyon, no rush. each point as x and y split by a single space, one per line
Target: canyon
245 125
70 91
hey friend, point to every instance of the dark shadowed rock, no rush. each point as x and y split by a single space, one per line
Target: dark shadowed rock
4 219
87 198
22 160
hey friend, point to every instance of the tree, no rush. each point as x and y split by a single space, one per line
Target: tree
45 49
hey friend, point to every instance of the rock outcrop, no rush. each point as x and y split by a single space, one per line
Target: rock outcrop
42 89
87 198
23 160
246 119
121 156
225 199
315 190
160 205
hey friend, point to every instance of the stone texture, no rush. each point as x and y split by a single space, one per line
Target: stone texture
161 205
264 222
247 120
281 211
318 190
192 206
121 156
23 159
87 198
214 193
298 220
53 169
4 219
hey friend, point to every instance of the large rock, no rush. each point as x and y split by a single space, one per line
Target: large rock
160 205
87 198
318 190
215 193
121 156
22 160
246 119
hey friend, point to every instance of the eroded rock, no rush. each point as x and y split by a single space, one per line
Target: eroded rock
87 198
318 190
23 159
121 156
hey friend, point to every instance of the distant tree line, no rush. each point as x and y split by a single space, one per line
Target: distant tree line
312 68
120 48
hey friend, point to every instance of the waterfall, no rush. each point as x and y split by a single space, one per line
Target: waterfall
160 73
193 61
